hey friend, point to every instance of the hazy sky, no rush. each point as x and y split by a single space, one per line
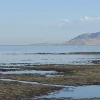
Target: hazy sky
35 21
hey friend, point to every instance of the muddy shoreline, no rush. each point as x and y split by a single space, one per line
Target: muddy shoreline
67 74
71 75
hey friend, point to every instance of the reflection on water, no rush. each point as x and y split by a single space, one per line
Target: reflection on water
76 92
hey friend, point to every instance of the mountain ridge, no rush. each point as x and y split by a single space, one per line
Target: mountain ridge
85 39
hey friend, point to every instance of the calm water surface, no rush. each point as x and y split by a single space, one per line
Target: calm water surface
24 55
91 91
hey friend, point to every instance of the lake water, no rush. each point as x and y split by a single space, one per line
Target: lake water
30 55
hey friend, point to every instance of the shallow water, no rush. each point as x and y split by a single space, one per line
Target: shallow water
76 92
30 72
30 55
9 68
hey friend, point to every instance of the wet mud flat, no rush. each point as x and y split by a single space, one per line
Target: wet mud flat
66 76
18 91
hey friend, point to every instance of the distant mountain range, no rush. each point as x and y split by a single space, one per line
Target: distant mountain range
83 39
45 44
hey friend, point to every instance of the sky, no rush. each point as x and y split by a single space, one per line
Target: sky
25 22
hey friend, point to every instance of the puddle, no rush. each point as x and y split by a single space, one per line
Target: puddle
92 91
30 72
